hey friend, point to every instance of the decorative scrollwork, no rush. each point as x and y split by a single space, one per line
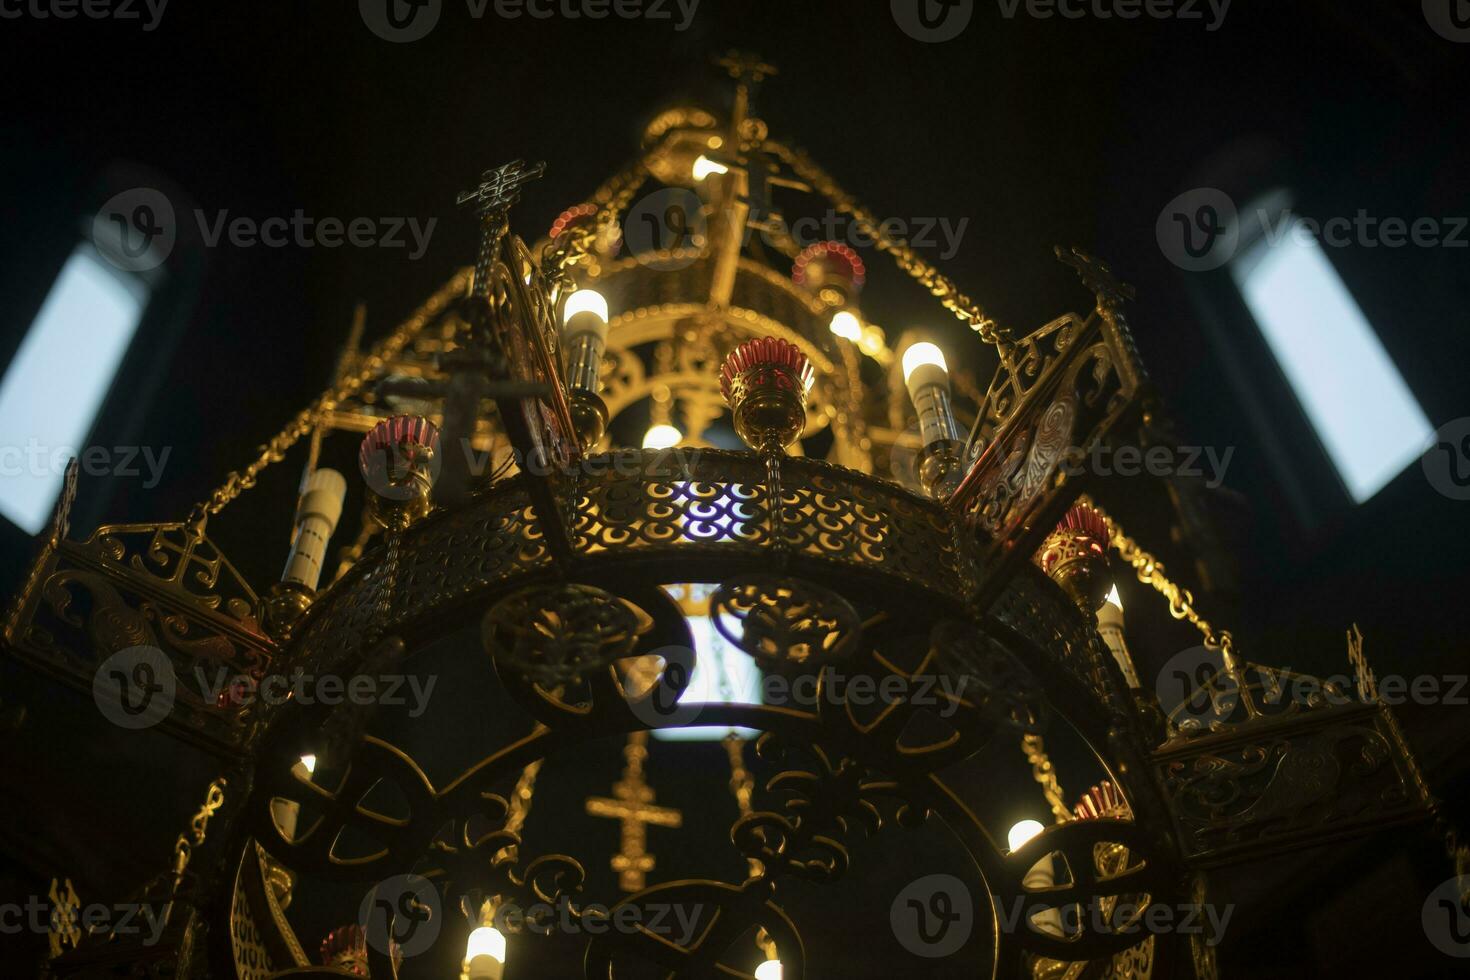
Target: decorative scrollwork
724 915
993 681
561 633
784 620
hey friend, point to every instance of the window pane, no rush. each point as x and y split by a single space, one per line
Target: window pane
54 386
1366 416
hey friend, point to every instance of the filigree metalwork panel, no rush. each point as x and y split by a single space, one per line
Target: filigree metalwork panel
446 558
1257 789
159 587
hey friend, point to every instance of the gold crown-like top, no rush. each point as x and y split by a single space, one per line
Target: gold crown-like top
760 356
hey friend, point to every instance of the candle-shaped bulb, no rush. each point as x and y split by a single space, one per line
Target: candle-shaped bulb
661 436
927 378
317 513
484 954
704 166
769 970
847 326
584 335
1110 628
1040 877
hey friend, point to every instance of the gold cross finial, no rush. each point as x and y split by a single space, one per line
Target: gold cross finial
746 67
632 803
1097 276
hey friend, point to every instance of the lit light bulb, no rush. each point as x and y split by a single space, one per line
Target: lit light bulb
585 301
769 970
661 436
927 378
309 763
704 166
584 335
1110 628
484 954
847 326
1039 878
922 355
1023 832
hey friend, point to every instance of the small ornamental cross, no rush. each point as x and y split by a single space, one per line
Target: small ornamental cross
63 933
499 188
746 67
1096 276
632 803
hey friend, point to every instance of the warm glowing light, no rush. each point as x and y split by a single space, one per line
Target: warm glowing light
585 301
1023 832
920 355
484 941
661 437
769 970
1114 598
704 166
309 762
847 326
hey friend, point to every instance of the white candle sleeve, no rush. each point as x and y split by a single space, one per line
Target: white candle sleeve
316 518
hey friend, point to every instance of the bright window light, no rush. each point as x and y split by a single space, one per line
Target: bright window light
1366 416
54 386
713 654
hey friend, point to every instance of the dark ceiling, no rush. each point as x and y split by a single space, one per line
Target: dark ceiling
1037 131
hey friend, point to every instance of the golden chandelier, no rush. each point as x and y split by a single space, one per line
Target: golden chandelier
549 457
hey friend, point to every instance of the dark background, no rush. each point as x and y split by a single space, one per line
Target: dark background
1039 131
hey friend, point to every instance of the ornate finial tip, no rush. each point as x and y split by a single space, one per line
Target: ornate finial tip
825 260
772 358
397 439
1083 519
1103 800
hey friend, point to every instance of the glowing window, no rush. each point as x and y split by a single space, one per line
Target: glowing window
1365 415
54 387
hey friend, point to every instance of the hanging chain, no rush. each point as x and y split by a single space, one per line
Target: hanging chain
571 247
1046 774
214 798
939 285
519 805
1151 572
368 367
742 783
